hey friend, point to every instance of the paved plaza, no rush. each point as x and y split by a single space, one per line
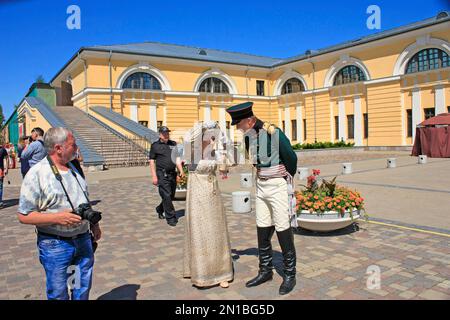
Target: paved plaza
140 257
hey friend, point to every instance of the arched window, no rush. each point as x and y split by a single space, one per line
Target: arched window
349 74
427 59
213 85
141 81
292 85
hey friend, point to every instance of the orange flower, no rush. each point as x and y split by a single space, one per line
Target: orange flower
329 206
316 197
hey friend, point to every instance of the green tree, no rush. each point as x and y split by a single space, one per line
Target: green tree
40 79
2 116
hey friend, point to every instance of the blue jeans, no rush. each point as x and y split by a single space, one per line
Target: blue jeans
67 262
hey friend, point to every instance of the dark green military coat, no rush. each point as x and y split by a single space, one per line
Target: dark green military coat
268 146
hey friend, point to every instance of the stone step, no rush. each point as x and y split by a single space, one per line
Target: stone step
115 151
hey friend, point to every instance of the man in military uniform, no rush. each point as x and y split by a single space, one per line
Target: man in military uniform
276 164
164 153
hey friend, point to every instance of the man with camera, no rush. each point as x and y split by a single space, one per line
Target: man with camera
54 198
34 151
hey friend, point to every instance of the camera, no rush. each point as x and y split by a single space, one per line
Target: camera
86 212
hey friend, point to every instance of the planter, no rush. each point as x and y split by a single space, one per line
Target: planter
327 221
180 193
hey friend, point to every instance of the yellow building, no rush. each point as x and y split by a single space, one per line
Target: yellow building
372 91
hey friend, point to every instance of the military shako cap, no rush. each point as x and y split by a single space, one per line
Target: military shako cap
240 112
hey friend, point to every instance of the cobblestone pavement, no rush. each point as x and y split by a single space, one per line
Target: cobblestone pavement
140 256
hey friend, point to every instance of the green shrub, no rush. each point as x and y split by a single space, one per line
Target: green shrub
323 145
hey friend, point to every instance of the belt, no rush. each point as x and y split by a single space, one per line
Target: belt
268 178
61 237
167 171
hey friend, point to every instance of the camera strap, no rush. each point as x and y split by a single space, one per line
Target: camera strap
59 178
73 170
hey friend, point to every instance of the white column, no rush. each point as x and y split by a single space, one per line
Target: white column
342 120
358 121
153 121
134 112
207 113
287 122
232 133
298 117
402 107
416 111
165 116
332 133
439 99
222 118
280 120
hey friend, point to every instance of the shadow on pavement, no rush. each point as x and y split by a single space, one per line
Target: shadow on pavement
125 292
180 213
277 257
247 252
9 203
341 232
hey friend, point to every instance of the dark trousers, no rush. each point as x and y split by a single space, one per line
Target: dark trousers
167 183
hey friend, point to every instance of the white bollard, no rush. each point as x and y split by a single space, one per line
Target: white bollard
303 173
391 162
241 202
347 168
246 180
423 159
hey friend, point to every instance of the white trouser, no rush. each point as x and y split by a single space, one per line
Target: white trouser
272 203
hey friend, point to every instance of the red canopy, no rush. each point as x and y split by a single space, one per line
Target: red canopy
441 119
433 141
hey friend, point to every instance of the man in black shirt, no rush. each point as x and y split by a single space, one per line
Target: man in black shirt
164 152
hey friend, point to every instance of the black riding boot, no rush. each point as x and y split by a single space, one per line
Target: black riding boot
265 272
286 240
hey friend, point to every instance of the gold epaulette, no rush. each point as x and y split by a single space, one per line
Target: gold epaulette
270 128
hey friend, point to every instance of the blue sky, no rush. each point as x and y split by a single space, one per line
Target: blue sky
34 39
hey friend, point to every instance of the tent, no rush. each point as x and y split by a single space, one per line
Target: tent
433 137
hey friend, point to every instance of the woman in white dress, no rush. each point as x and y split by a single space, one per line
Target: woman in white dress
207 250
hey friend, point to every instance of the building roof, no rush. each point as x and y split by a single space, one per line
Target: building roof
190 53
439 18
39 85
157 49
